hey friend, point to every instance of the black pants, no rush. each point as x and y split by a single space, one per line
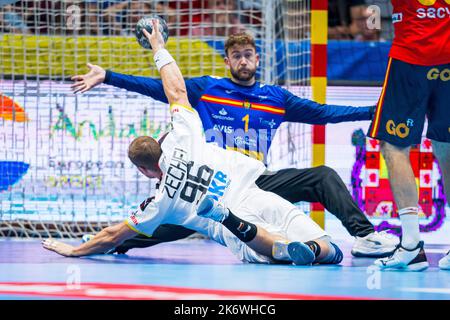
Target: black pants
320 184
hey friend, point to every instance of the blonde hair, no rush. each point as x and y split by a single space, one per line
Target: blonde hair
145 152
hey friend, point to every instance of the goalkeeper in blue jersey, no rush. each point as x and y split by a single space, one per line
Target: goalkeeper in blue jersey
243 114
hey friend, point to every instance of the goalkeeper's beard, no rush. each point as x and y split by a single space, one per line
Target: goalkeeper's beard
237 74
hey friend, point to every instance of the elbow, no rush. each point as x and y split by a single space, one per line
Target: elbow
179 96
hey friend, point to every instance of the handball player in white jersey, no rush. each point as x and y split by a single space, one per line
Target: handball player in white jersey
210 190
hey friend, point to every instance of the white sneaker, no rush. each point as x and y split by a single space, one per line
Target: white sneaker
405 260
375 245
444 263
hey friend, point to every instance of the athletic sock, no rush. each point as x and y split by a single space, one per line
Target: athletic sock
334 255
244 230
410 227
314 246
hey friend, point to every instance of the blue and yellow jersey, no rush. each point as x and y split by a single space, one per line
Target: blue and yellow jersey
243 118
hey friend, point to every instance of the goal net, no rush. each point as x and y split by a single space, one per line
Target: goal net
64 169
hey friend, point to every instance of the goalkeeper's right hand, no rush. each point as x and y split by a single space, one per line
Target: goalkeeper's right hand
86 82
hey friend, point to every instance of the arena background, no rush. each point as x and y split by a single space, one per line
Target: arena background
64 170
63 156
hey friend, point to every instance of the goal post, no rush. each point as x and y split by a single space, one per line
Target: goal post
63 164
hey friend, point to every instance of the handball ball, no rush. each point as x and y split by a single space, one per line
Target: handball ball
146 23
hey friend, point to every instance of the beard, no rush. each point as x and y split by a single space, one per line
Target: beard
241 75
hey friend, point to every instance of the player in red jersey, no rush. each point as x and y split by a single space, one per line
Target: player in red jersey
416 86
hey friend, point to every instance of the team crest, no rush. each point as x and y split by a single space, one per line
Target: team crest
247 104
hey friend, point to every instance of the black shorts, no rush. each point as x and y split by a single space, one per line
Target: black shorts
411 93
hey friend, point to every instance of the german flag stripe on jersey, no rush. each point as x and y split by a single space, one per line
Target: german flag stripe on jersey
242 104
376 120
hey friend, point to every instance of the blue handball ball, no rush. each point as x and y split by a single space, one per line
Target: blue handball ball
146 23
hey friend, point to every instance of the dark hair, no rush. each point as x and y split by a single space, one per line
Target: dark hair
240 39
144 152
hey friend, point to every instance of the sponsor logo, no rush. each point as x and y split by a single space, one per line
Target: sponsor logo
400 130
145 203
133 218
433 13
397 17
222 115
218 185
435 74
230 91
223 128
86 165
245 141
270 123
74 181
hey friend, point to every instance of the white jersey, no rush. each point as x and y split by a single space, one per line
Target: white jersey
192 169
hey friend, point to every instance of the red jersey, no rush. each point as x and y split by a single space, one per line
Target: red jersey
422 31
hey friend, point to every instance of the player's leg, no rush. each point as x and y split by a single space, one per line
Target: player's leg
398 123
299 227
442 152
322 184
256 237
439 132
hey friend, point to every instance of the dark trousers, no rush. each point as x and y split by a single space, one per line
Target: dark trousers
320 184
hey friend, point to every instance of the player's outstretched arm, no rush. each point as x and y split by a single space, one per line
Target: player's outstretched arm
105 240
85 82
172 79
311 112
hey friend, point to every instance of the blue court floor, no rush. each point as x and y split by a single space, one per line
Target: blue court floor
202 269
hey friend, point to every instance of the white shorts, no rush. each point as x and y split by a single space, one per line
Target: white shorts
277 216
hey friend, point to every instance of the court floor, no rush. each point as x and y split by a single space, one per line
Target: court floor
202 269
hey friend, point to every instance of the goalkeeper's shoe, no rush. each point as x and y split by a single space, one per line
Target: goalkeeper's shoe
405 259
444 263
212 209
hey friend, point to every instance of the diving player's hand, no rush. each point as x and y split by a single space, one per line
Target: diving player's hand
58 247
86 82
155 38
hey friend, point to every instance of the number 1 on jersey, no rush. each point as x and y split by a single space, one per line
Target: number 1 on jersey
246 119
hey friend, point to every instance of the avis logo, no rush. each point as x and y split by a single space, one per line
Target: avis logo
400 130
224 129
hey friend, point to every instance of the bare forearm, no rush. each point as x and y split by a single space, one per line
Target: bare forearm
173 82
101 243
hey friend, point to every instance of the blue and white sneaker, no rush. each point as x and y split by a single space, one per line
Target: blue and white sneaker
405 260
296 252
300 253
444 263
212 209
